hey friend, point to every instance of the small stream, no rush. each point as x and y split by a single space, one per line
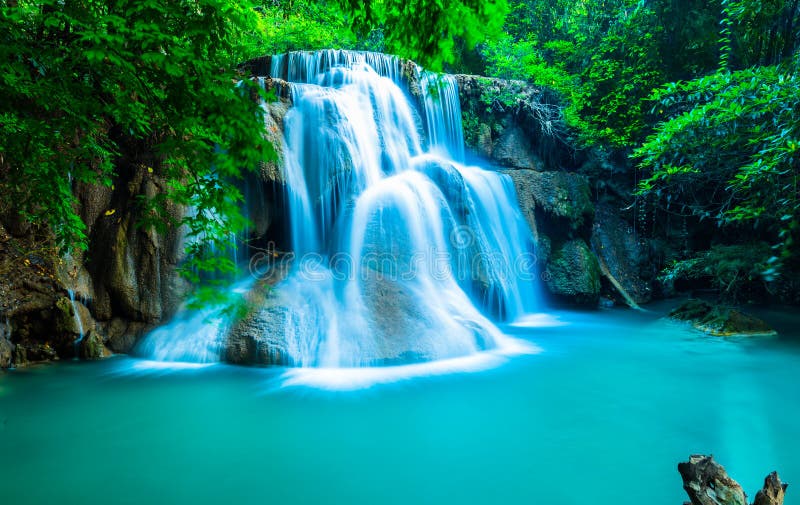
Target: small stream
600 415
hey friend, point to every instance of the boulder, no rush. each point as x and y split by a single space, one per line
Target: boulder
92 347
6 352
283 321
72 318
399 323
573 275
285 325
720 321
31 351
260 338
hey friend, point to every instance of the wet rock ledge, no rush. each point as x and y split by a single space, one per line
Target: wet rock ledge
720 321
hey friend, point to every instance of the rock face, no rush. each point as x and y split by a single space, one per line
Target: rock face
558 199
273 123
707 483
134 268
31 315
626 258
6 347
512 123
720 321
559 210
520 128
128 282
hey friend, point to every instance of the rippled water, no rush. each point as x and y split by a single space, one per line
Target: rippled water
601 415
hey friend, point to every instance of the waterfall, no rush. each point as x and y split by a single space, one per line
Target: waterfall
442 114
402 253
400 247
78 323
5 331
192 335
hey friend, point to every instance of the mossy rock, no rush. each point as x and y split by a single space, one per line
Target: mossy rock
563 198
565 195
691 310
720 321
6 352
92 347
573 274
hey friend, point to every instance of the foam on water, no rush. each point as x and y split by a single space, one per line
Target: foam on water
356 378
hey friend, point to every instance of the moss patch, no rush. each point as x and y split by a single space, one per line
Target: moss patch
720 321
573 273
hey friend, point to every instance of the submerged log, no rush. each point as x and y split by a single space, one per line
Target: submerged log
707 483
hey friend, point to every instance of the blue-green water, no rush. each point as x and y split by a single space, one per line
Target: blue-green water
601 415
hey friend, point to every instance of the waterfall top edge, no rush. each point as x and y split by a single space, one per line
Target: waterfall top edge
309 66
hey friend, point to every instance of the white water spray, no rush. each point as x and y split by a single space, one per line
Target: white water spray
376 185
402 252
78 323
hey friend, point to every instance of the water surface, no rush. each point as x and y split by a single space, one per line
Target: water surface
601 415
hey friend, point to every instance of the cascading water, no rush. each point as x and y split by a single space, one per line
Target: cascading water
399 248
395 239
192 336
78 322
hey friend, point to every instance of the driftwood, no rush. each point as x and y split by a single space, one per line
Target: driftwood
707 483
773 491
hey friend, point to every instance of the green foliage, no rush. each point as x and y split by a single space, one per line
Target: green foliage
624 67
604 58
471 126
708 90
93 88
290 25
505 96
730 149
426 30
739 272
758 32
